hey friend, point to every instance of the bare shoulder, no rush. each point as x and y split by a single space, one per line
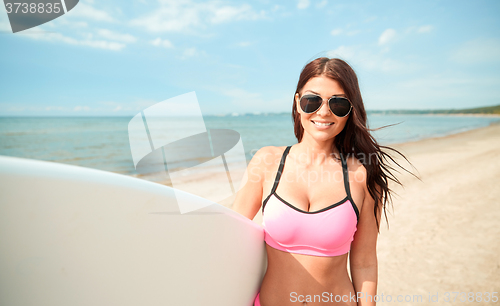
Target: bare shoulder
270 150
267 156
249 197
360 193
357 182
356 170
265 150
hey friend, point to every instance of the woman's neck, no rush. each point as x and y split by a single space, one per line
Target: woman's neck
312 152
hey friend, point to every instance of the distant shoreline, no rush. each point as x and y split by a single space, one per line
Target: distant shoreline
489 111
435 114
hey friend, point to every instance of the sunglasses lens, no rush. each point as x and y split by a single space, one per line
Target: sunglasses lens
340 106
310 103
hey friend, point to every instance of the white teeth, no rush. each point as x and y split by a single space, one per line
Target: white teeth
322 124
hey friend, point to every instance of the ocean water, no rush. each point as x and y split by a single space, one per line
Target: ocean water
103 143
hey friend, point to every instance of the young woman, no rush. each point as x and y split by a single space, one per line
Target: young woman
321 198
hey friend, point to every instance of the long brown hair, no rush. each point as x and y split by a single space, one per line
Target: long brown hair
355 139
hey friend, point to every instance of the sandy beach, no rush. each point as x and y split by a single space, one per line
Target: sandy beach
444 231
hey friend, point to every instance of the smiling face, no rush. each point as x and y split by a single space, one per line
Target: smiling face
321 125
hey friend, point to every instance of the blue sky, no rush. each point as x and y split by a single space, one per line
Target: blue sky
115 58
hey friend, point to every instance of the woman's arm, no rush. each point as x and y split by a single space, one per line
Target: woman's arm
249 196
363 256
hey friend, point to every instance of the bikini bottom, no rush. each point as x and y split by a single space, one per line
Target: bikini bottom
257 301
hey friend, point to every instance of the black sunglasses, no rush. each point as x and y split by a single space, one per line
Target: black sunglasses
339 106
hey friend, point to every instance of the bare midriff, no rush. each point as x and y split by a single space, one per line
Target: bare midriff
293 279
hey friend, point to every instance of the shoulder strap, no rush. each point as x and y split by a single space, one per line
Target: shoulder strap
346 184
346 175
278 176
280 169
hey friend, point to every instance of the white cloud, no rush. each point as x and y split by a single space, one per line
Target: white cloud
478 51
192 52
244 44
425 29
168 20
87 11
189 52
125 38
162 43
322 4
67 22
49 108
228 13
89 42
189 17
362 56
277 7
419 29
303 4
81 108
387 36
80 24
344 52
336 32
102 44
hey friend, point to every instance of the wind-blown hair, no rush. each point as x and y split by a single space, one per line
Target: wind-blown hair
355 139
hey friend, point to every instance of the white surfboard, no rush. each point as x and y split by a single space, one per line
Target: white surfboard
77 236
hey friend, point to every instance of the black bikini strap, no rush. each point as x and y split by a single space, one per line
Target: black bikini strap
346 175
280 169
346 184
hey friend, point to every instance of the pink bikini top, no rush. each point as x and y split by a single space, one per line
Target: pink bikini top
326 232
